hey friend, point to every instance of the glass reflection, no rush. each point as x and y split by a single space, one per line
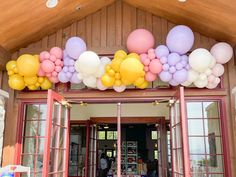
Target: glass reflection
196 145
211 109
212 126
195 127
213 145
197 163
215 164
194 109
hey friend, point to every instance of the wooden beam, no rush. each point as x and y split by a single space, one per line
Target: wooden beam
5 56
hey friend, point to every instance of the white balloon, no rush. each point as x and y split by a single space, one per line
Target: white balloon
80 76
202 76
208 72
218 70
186 83
100 86
213 62
88 63
119 88
211 85
90 81
192 75
222 52
200 59
100 71
105 60
201 83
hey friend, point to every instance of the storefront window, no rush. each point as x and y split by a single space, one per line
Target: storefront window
205 141
33 138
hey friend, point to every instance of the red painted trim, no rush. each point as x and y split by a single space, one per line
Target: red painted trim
184 128
67 145
118 139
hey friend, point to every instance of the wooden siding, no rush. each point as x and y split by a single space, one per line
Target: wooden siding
106 31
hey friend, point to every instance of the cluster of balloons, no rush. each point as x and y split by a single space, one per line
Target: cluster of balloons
90 67
206 67
152 65
51 64
143 64
173 56
124 70
23 73
75 46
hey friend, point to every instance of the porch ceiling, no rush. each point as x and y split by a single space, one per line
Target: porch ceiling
25 21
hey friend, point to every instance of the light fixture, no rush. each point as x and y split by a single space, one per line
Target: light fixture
83 104
51 3
106 126
182 0
155 103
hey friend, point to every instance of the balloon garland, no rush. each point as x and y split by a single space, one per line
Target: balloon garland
143 64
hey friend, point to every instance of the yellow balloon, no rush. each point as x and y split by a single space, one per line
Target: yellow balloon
37 84
108 67
107 80
139 81
120 54
133 55
111 73
10 72
11 65
16 82
15 70
30 80
115 64
144 85
125 81
46 84
33 87
40 80
118 83
117 76
28 65
131 69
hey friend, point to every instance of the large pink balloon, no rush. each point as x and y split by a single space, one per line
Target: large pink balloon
222 52
56 51
47 66
155 66
150 76
139 41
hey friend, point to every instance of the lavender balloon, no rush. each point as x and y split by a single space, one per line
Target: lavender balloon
173 59
62 77
173 82
180 39
165 67
180 76
179 66
161 51
163 60
75 46
74 79
165 76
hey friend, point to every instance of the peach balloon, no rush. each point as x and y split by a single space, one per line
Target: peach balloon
150 76
139 41
155 66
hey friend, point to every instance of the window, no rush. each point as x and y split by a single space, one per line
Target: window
33 138
154 135
205 144
101 135
156 154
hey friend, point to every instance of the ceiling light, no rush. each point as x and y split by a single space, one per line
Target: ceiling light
51 3
182 0
106 127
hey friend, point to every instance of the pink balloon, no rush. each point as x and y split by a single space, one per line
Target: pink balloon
211 78
48 75
57 52
146 68
222 52
139 41
58 68
53 58
47 66
54 79
155 66
100 86
146 61
143 57
151 56
150 76
151 51
58 62
62 63
218 70
217 80
41 72
44 55
54 73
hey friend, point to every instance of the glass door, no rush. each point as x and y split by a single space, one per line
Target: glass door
179 135
56 147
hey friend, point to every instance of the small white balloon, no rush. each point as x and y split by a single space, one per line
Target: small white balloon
90 81
200 59
211 85
100 71
119 88
222 52
213 62
201 83
100 86
88 63
186 83
202 76
192 76
208 72
105 60
80 76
